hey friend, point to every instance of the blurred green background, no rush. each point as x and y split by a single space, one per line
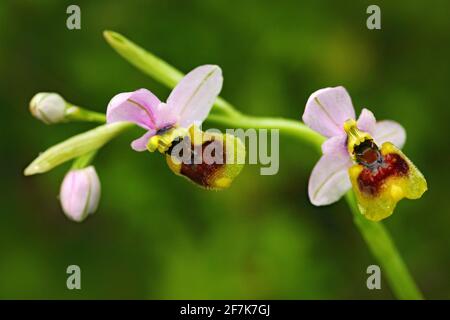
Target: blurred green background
157 236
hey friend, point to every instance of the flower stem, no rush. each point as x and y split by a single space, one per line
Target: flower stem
290 127
75 113
374 233
84 160
383 248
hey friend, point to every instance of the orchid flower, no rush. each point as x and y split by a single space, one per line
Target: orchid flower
168 123
362 154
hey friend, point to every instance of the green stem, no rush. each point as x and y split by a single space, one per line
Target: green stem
289 127
75 113
84 160
383 248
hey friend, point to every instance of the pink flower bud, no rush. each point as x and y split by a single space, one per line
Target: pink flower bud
80 193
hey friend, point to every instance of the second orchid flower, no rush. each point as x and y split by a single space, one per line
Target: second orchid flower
362 154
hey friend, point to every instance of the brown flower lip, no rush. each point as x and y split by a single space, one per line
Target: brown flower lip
371 179
201 173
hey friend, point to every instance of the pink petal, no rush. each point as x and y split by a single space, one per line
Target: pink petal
366 121
140 144
389 131
74 194
336 145
329 180
137 107
95 189
165 116
327 110
80 193
194 96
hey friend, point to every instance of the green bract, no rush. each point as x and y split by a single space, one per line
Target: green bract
74 147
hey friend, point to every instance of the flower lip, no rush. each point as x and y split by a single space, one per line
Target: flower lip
203 173
210 160
370 180
378 189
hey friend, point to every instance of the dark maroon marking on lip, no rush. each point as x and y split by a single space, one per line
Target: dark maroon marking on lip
201 173
371 179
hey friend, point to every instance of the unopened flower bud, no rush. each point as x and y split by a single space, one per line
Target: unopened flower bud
80 193
48 107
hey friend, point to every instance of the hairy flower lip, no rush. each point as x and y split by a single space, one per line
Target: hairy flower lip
371 179
377 192
199 152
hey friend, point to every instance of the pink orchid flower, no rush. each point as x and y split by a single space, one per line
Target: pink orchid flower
169 123
351 157
189 103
